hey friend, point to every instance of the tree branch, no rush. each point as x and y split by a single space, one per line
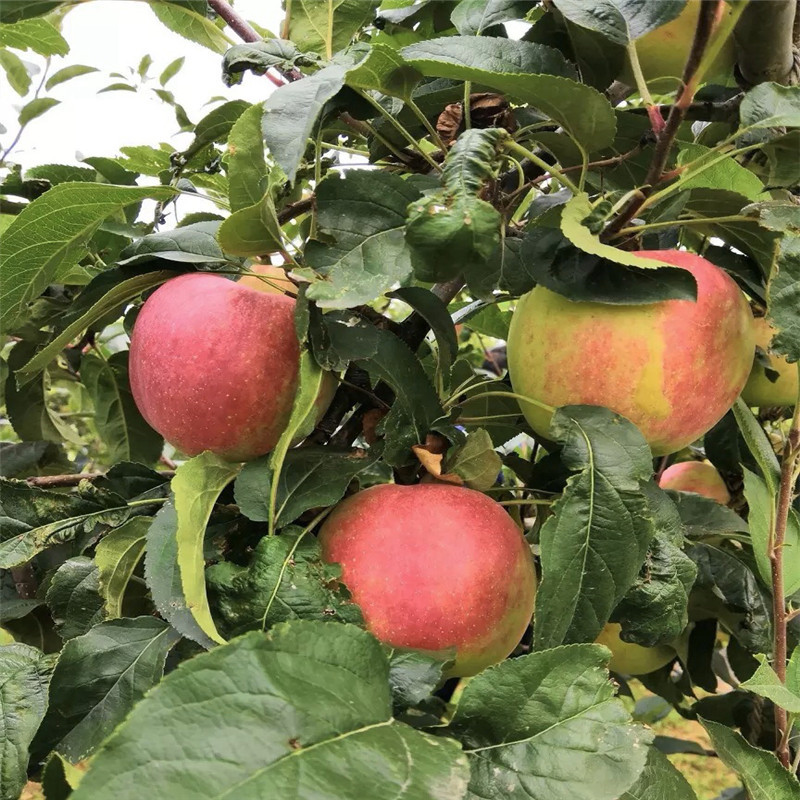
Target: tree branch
764 43
236 22
74 478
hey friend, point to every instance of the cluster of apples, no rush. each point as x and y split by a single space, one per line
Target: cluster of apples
436 567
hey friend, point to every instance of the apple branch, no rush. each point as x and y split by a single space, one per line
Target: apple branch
765 46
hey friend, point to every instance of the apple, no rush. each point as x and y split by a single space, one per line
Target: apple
276 281
434 567
214 364
633 659
699 477
759 389
663 52
673 368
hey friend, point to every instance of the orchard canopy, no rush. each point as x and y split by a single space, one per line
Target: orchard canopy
427 428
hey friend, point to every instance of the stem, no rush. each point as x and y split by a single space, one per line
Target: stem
524 502
73 479
656 120
236 22
691 221
777 542
427 123
519 150
467 105
295 209
16 139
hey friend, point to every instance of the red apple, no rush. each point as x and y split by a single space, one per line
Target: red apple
673 368
760 390
213 365
433 567
698 477
274 280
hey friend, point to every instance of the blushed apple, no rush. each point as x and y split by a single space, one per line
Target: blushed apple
760 390
633 659
698 477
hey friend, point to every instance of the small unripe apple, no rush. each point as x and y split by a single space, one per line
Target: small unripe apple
214 365
760 390
699 477
672 368
433 567
633 659
663 52
274 280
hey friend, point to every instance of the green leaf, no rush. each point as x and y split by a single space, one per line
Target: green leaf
171 70
766 683
247 167
115 297
569 737
252 231
116 416
68 73
23 702
74 599
659 781
384 70
770 105
703 517
16 10
473 17
759 445
763 776
761 518
476 461
16 73
116 557
414 676
361 216
38 35
525 73
596 541
36 108
216 126
326 28
182 20
291 111
197 485
311 477
59 777
784 297
285 579
621 21
728 172
191 244
163 576
258 57
98 679
303 710
48 235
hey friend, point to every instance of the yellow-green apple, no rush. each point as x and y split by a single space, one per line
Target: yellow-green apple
434 567
633 659
699 477
673 368
214 365
759 389
663 52
273 280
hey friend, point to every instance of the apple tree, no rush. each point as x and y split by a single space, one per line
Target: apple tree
282 513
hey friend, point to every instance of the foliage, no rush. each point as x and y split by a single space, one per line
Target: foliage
414 170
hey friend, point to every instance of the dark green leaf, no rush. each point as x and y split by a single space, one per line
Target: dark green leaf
98 678
472 17
384 70
302 711
191 244
24 458
74 599
413 676
475 461
569 737
759 446
286 579
23 700
362 214
704 517
660 781
594 545
15 10
784 298
258 57
770 105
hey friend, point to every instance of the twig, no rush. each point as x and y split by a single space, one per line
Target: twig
73 479
235 21
295 209
683 99
707 111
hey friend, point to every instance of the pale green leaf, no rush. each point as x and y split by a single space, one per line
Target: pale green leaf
116 557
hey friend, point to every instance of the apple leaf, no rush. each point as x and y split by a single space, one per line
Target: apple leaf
196 486
98 679
594 545
759 446
526 73
163 576
361 251
186 22
291 111
23 702
703 517
16 73
766 683
621 21
784 298
414 676
48 234
116 557
770 105
247 167
386 71
285 579
73 597
728 172
475 461
258 57
252 231
473 17
40 36
68 73
215 126
660 780
763 776
303 710
569 737
327 28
